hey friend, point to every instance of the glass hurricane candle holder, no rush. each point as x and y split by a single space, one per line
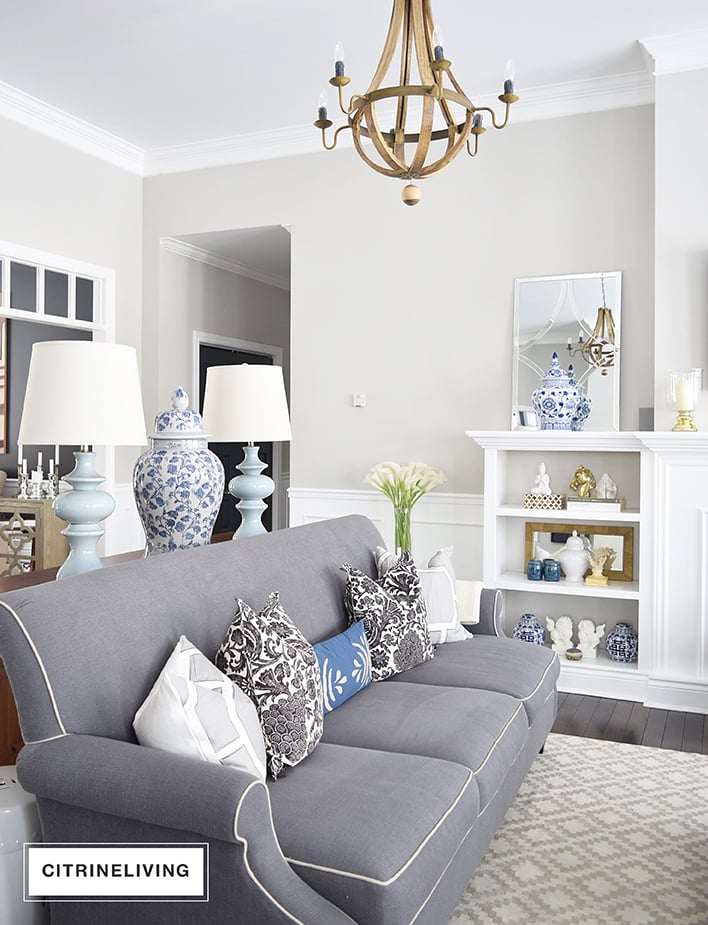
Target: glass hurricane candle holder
683 389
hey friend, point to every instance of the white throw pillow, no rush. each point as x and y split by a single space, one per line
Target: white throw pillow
194 709
439 589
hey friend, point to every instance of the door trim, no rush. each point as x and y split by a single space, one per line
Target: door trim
234 343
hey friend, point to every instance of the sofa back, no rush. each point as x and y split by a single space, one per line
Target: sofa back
82 653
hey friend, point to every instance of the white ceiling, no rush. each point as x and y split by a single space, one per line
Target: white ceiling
161 73
158 84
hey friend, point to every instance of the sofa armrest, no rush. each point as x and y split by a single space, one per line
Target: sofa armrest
144 787
491 613
136 782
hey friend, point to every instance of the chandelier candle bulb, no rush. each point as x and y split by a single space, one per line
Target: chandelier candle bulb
509 77
338 60
322 105
438 41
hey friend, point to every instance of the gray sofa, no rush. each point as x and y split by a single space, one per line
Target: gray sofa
383 824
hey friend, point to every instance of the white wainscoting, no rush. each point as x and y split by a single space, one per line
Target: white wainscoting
439 519
124 531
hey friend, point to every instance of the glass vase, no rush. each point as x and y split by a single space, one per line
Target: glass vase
402 519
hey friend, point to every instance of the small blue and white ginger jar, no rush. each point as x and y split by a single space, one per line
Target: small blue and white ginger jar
178 482
622 644
556 399
528 629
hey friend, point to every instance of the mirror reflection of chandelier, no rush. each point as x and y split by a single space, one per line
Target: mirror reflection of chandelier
426 123
599 349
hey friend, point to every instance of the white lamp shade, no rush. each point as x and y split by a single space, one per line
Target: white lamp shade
83 393
245 404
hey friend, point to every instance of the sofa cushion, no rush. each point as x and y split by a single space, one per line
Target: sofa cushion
270 659
375 858
438 585
482 730
394 618
345 665
508 666
194 709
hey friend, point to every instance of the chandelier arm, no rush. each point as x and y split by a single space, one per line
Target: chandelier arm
494 115
476 145
331 147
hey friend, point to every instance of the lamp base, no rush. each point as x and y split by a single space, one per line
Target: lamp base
83 509
684 421
251 487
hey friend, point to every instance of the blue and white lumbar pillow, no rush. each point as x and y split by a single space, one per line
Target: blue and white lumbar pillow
345 665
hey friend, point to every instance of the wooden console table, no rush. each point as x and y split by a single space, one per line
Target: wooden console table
30 536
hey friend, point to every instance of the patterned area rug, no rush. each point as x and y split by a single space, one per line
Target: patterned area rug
601 833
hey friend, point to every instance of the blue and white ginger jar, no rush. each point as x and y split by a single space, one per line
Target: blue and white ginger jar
556 400
622 643
178 482
528 629
577 422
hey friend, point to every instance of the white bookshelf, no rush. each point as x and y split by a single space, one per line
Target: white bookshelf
664 479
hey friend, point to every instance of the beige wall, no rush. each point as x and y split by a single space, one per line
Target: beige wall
195 296
58 200
414 306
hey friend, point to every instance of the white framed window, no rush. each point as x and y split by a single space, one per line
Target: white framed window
36 286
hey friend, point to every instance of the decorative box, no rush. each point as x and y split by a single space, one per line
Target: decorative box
544 502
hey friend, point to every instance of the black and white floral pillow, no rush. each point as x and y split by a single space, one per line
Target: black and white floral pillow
267 656
394 617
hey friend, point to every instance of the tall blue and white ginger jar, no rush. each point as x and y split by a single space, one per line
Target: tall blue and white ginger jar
556 400
178 482
622 643
582 412
528 629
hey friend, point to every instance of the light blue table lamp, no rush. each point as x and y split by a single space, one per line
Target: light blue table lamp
245 404
83 393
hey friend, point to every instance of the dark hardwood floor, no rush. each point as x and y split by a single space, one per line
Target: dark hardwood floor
624 721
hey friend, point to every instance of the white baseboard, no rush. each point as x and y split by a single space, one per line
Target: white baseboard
439 519
669 694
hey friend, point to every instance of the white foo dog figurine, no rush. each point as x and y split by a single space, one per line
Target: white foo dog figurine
589 637
561 631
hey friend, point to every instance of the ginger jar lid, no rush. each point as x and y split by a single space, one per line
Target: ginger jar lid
556 375
179 421
574 541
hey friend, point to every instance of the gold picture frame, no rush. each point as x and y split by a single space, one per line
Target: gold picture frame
622 567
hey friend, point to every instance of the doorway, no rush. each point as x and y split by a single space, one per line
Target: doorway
222 352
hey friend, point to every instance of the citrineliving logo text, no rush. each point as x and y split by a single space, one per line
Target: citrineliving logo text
116 872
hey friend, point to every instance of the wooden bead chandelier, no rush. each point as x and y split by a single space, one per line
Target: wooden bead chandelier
433 119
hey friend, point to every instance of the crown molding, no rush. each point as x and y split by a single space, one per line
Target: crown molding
546 102
183 249
673 54
236 149
48 120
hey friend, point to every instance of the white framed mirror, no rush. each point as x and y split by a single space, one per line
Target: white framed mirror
553 313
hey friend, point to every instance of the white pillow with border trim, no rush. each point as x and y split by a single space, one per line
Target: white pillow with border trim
194 709
439 589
